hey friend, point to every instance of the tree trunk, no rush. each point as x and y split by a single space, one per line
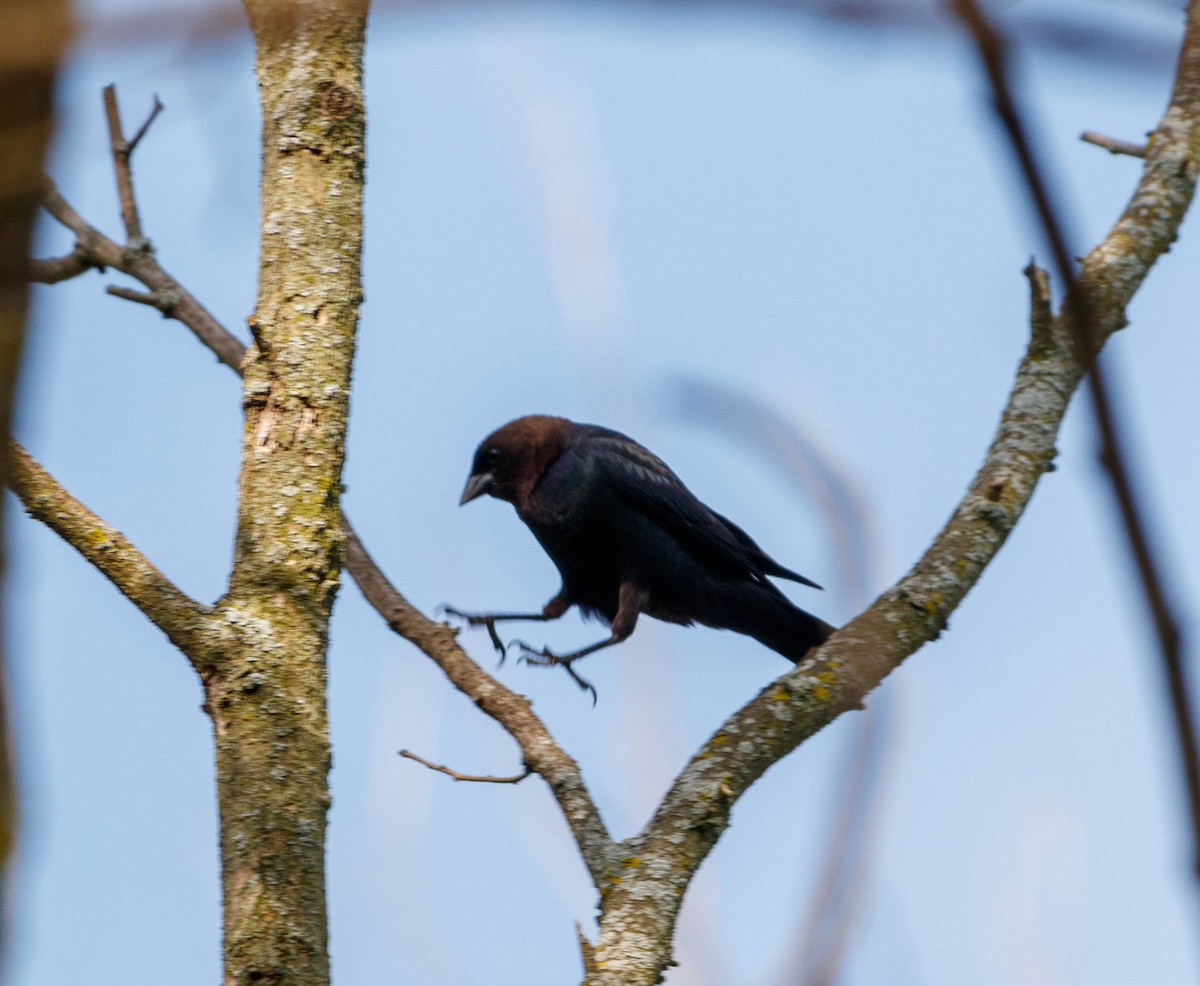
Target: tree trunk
268 698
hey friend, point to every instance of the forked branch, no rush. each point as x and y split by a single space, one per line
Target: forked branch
837 677
539 752
1080 315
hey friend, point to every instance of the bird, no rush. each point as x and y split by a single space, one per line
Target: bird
628 537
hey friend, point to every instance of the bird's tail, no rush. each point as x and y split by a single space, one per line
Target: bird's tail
771 620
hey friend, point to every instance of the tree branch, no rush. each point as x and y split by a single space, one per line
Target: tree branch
122 153
455 775
55 269
152 299
512 711
1079 314
1114 145
539 751
94 249
27 124
188 624
661 861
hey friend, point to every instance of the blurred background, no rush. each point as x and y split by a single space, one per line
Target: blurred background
781 245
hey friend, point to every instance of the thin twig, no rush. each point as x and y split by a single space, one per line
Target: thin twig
512 711
1113 145
121 153
102 251
136 139
1078 313
474 778
152 299
538 749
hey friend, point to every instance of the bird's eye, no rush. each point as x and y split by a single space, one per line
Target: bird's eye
492 455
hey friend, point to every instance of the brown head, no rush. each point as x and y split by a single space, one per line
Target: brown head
510 462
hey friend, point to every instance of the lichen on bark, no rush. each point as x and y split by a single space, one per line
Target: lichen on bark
268 699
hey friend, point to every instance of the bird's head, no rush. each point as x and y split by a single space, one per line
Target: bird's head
510 462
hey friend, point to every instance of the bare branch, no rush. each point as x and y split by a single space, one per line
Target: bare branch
186 622
1080 316
815 474
140 263
541 754
1113 145
122 152
90 243
474 778
52 270
136 139
152 299
1041 315
836 677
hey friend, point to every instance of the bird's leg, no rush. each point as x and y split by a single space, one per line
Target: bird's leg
546 658
630 600
551 611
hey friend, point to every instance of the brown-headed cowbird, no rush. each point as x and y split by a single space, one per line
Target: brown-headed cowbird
628 537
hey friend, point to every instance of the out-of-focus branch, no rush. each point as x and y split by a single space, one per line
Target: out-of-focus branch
187 623
26 126
838 676
1172 163
1112 41
816 475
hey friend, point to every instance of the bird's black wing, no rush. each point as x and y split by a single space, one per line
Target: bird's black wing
643 480
768 564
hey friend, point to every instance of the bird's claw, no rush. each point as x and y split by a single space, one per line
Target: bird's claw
546 658
479 620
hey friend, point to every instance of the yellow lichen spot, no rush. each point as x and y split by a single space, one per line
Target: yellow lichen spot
822 693
827 678
719 740
780 694
632 861
97 536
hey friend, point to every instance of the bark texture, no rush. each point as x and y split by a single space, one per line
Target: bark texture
266 688
639 908
268 701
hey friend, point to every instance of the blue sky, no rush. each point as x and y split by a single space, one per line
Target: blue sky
572 210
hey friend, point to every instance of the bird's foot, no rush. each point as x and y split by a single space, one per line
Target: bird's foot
479 620
546 658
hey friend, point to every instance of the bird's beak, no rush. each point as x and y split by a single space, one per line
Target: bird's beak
477 484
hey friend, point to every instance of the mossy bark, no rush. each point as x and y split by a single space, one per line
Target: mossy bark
639 906
268 699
